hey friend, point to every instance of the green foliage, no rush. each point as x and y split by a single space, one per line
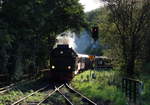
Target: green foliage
100 17
28 29
146 92
11 97
124 33
131 32
22 89
37 97
92 51
100 88
97 16
103 88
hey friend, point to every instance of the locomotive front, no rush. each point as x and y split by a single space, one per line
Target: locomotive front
62 63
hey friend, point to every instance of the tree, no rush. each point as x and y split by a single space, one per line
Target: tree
131 20
26 27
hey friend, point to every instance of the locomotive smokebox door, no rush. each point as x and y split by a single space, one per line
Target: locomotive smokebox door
63 59
94 32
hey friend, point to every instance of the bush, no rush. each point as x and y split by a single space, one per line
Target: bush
100 88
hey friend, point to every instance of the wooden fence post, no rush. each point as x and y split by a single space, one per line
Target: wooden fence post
131 88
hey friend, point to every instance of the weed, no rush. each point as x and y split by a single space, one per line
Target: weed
99 88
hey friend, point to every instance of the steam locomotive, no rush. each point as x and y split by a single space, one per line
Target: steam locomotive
62 63
65 63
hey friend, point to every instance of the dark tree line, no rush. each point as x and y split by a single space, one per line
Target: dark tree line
132 20
28 29
124 33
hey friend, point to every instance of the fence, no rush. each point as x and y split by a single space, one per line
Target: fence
132 88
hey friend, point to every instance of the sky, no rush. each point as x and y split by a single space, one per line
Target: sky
91 4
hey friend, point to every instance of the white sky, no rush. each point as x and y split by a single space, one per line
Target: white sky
91 4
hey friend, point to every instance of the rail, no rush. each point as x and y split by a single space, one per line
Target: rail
57 89
87 99
50 93
11 86
20 100
68 101
6 88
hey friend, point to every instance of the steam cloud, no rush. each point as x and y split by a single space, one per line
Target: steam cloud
79 43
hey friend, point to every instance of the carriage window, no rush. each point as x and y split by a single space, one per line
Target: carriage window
100 62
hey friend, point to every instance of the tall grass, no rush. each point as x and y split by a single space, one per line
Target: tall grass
21 90
99 86
145 96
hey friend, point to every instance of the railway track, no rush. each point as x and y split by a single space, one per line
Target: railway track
57 89
6 88
84 99
23 98
68 101
50 94
9 87
12 86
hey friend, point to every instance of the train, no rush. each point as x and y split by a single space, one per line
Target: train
65 63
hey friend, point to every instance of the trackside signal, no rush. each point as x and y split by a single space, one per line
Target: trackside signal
94 33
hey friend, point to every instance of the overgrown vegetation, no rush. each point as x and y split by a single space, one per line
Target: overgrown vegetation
145 97
105 87
124 27
21 90
100 87
28 30
124 34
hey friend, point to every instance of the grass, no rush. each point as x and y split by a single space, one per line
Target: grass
99 86
22 89
55 98
11 97
145 97
36 97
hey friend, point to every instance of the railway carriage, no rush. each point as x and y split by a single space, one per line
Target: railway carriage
102 62
84 63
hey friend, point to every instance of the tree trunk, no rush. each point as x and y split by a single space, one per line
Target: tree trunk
4 60
131 65
18 65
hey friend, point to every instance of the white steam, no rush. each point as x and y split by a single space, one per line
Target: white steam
83 42
67 38
79 43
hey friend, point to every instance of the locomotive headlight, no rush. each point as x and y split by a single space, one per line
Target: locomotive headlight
61 52
69 67
53 67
